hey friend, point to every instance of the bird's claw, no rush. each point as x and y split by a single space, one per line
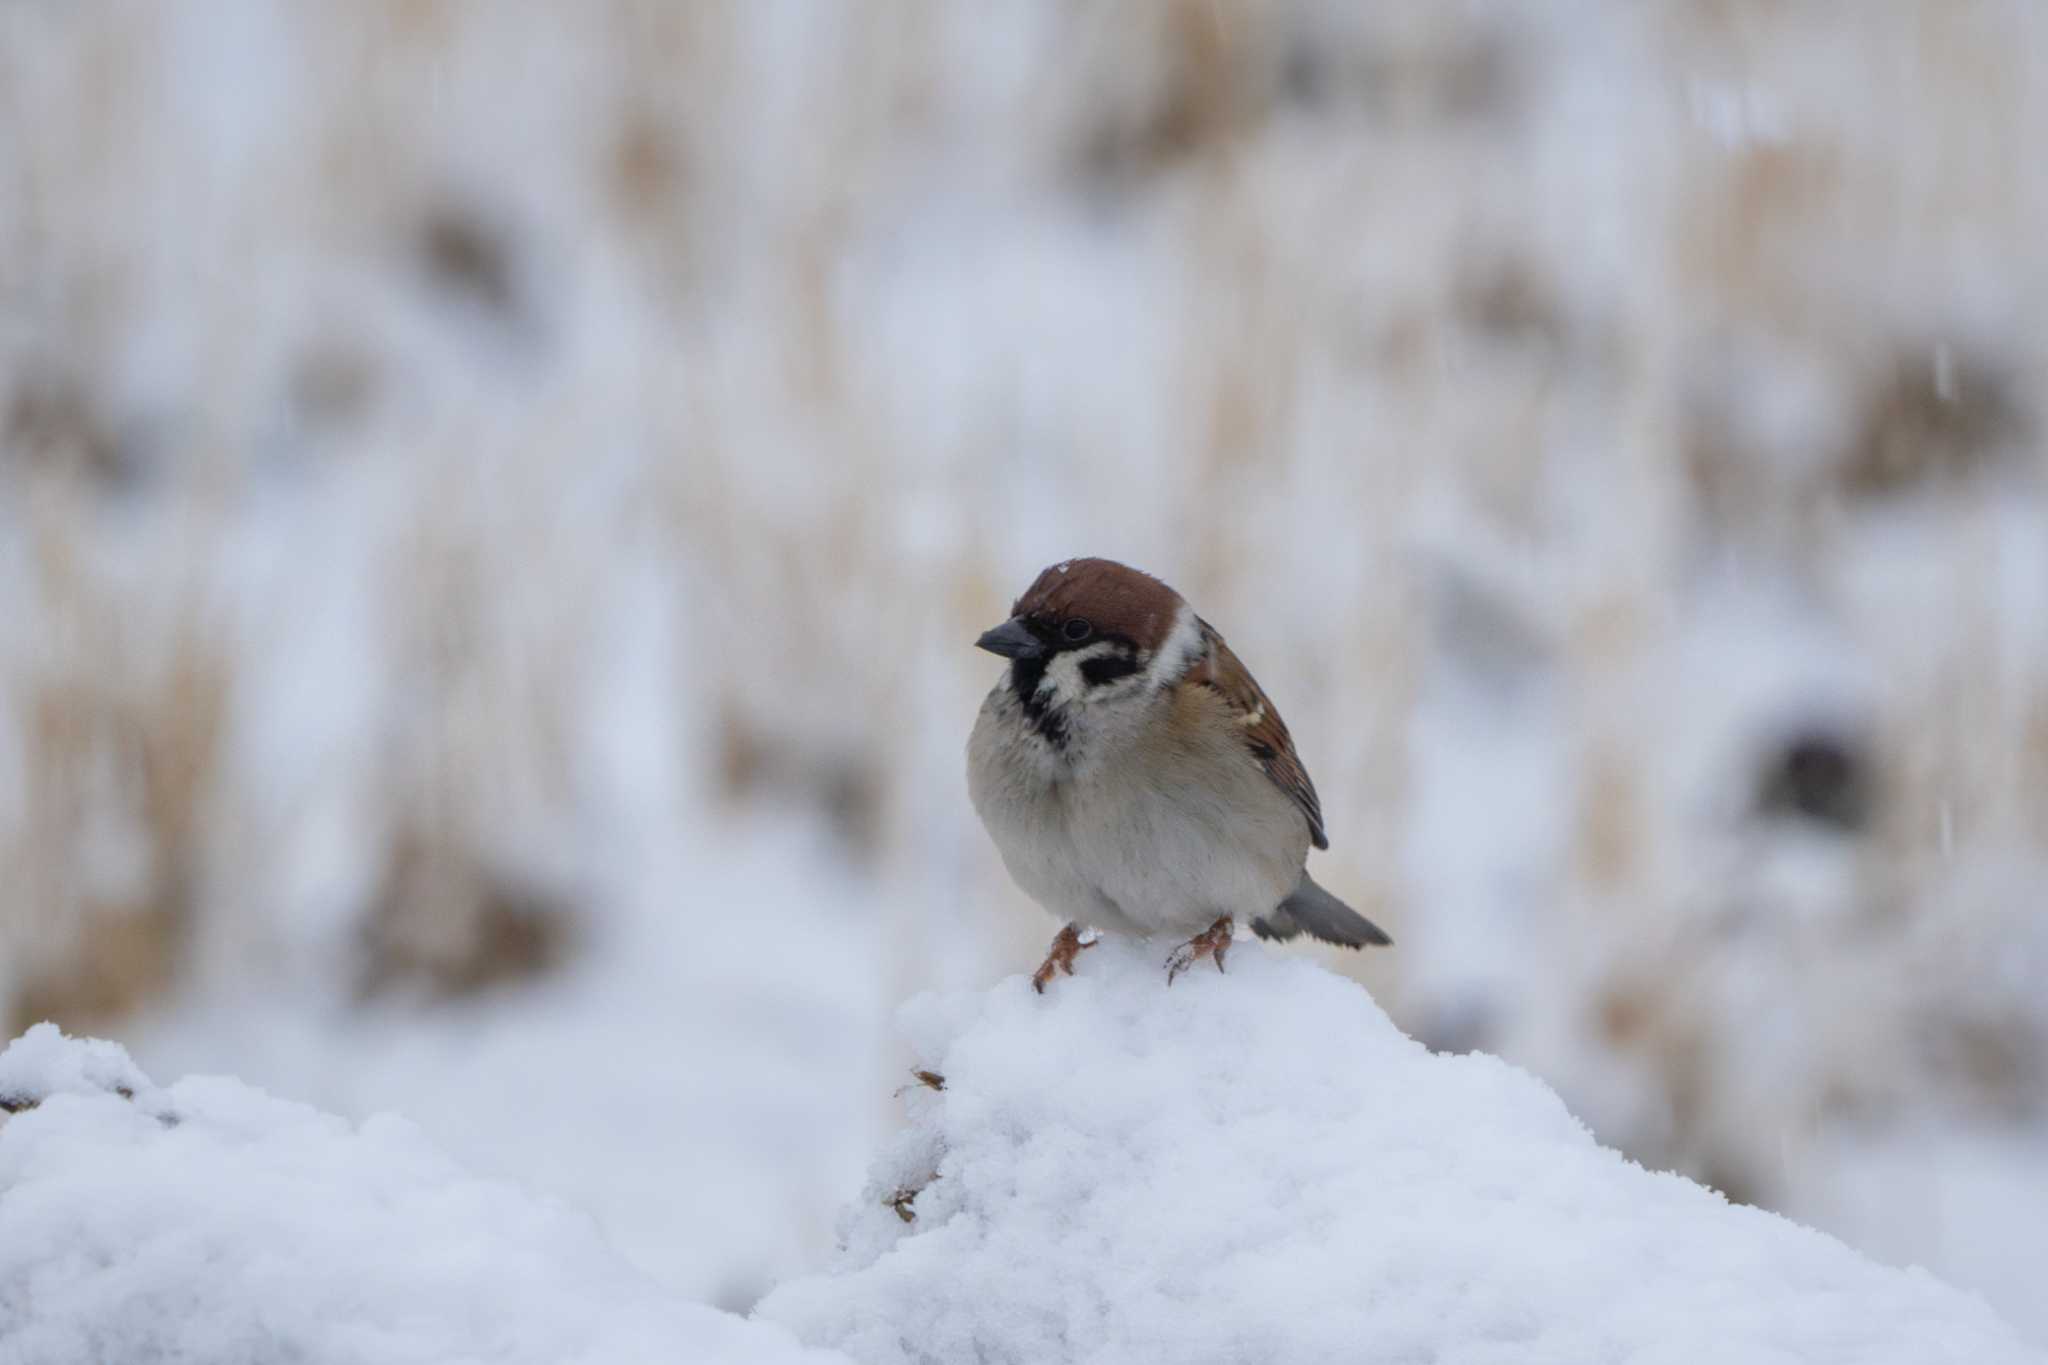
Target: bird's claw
1066 946
1212 942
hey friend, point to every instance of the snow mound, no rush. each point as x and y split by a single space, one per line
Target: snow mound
1260 1167
43 1062
207 1221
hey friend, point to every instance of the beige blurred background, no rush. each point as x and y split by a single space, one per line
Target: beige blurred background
495 499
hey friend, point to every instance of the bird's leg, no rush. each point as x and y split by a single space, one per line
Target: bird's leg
1066 946
1212 942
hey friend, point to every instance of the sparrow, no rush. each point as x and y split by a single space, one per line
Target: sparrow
1137 780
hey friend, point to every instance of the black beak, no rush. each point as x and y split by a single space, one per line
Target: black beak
1012 641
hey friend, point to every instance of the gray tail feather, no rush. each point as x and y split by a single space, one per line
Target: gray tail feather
1314 911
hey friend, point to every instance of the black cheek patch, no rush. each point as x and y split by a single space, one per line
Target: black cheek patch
1107 669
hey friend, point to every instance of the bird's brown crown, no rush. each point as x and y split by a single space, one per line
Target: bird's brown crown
1115 598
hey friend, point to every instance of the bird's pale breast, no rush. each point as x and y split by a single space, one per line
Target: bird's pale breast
1160 833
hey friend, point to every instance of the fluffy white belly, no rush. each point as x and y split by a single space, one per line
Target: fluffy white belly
1127 849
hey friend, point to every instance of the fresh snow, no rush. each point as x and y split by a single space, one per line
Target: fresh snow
1259 1167
207 1222
1252 1167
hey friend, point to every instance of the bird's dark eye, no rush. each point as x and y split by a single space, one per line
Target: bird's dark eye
1076 630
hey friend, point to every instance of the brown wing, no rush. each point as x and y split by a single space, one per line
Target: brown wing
1265 734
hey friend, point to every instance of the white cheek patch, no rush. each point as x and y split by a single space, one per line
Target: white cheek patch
1183 645
1063 681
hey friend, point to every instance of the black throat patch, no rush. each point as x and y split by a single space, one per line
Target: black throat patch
1048 721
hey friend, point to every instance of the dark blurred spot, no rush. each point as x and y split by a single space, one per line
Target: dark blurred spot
469 260
1226 77
1125 150
1996 1063
1624 1016
443 920
844 789
1216 84
647 167
1508 302
55 424
332 386
1820 777
1473 77
1308 79
1935 415
1480 79
1927 418
1726 479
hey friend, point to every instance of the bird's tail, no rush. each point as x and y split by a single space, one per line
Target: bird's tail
1314 911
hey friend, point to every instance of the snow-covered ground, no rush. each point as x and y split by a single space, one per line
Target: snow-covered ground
207 1221
1260 1166
1242 1168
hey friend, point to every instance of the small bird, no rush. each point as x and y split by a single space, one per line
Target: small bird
1137 780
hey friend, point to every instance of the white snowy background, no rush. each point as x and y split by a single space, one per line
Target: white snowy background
495 497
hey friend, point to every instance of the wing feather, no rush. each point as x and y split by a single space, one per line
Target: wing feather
1265 734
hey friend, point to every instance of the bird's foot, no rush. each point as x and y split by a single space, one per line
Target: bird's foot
1066 946
1212 942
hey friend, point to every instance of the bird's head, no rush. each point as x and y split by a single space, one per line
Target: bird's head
1093 633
